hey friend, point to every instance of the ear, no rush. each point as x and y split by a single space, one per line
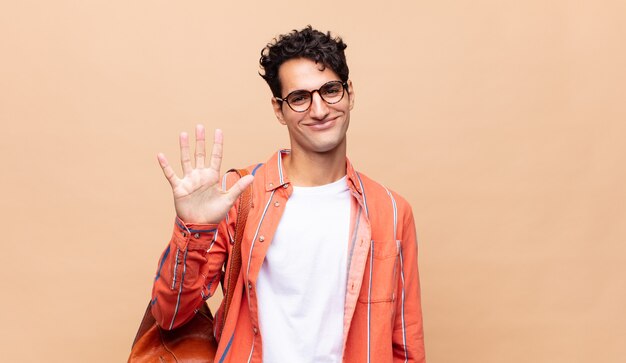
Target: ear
351 93
278 110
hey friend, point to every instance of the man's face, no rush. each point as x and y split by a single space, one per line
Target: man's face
322 128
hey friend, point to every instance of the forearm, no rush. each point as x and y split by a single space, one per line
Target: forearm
186 276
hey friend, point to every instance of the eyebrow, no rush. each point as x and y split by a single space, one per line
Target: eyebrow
315 89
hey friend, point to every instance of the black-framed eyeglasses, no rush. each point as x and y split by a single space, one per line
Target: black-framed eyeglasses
300 100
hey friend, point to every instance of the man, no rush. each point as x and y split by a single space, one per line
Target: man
329 257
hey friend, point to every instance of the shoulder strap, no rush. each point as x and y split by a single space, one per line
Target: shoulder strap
245 200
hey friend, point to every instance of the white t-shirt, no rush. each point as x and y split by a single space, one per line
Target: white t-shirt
302 283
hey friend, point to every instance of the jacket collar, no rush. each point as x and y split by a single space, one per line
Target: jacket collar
275 176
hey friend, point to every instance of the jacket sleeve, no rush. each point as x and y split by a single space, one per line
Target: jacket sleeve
190 268
408 334
188 273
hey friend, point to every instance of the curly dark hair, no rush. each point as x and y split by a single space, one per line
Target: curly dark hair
306 43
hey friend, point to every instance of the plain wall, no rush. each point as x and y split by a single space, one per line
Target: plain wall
502 123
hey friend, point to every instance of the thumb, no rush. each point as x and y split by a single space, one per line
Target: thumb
235 191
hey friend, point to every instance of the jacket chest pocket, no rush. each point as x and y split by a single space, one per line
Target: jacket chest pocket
381 272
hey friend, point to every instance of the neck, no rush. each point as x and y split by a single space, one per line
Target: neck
314 169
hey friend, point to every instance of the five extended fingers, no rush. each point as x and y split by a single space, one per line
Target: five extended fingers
215 162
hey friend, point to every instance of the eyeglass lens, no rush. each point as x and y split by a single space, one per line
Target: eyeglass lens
331 92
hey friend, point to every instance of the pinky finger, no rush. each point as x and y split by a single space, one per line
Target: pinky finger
167 170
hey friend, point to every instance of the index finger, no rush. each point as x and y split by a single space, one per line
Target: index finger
216 154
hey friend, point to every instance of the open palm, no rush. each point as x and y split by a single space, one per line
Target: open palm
198 195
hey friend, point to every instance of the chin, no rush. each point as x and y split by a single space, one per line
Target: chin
327 147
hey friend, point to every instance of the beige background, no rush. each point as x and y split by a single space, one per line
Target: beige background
500 121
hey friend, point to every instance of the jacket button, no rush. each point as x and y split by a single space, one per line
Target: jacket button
271 185
249 286
254 329
196 236
286 186
184 234
277 204
261 239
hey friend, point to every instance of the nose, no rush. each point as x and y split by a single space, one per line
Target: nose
319 108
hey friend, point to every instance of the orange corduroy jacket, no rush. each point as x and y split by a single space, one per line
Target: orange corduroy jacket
382 312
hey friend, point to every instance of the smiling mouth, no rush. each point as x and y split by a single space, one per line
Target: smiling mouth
321 124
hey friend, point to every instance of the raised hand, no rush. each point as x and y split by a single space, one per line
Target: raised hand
198 195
